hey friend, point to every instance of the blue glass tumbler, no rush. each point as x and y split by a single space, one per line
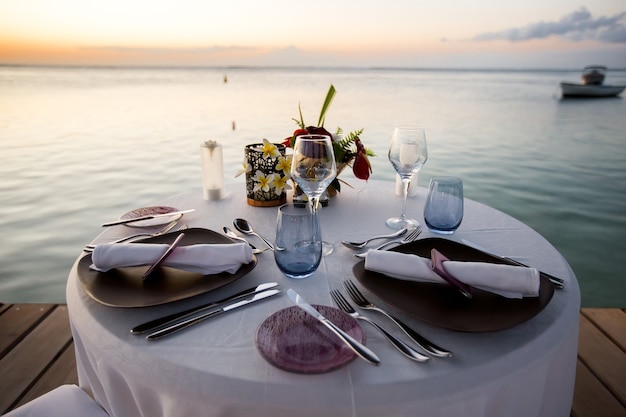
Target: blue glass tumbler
443 211
298 249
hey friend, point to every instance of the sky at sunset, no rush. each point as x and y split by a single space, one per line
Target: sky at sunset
392 33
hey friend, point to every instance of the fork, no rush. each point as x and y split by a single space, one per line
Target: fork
360 300
408 238
405 349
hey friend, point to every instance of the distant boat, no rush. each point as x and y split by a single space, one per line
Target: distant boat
592 84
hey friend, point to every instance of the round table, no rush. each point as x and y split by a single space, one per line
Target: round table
214 368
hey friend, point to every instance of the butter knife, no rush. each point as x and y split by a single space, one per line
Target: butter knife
354 344
169 319
164 256
197 319
556 282
148 217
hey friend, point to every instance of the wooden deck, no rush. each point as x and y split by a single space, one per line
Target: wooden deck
37 355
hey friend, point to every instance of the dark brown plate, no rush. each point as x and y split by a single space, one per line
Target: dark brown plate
124 287
444 306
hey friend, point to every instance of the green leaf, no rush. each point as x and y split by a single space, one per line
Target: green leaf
327 101
301 124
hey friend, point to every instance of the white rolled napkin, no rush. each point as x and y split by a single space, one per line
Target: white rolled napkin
205 259
505 280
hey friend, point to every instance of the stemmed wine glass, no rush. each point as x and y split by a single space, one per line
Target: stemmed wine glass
313 167
407 154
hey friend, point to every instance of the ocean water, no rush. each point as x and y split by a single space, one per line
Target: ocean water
80 146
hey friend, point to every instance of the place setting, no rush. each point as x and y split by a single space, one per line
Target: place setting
437 279
450 284
149 269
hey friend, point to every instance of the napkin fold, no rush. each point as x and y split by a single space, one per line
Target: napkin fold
505 280
205 259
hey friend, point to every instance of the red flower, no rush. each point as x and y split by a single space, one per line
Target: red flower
348 149
288 142
318 130
361 166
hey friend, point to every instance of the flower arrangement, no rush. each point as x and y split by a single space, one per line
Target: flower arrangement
267 170
349 151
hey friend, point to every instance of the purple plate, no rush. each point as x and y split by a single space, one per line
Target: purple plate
294 341
148 211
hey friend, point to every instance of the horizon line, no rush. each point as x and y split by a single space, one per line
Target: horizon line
300 67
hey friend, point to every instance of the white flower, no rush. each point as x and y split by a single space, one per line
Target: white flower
281 183
245 170
263 182
269 149
284 164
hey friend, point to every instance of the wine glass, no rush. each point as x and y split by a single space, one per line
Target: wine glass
313 168
407 154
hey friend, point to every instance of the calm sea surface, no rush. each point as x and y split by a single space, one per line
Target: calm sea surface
80 146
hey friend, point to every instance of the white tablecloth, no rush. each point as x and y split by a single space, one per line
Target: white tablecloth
214 369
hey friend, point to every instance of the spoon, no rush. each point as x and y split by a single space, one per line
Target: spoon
246 228
359 245
232 234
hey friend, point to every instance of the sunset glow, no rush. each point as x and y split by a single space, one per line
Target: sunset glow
244 32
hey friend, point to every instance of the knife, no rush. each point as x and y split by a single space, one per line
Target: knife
162 321
167 253
148 217
557 282
197 319
357 347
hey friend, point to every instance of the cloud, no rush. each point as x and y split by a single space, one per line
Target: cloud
576 26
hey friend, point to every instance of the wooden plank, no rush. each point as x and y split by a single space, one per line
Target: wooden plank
603 358
611 321
17 320
591 398
23 365
62 371
39 356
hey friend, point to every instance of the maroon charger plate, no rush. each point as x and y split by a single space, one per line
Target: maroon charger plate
443 305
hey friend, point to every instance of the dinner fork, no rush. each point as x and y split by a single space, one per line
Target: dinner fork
405 349
408 238
360 300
